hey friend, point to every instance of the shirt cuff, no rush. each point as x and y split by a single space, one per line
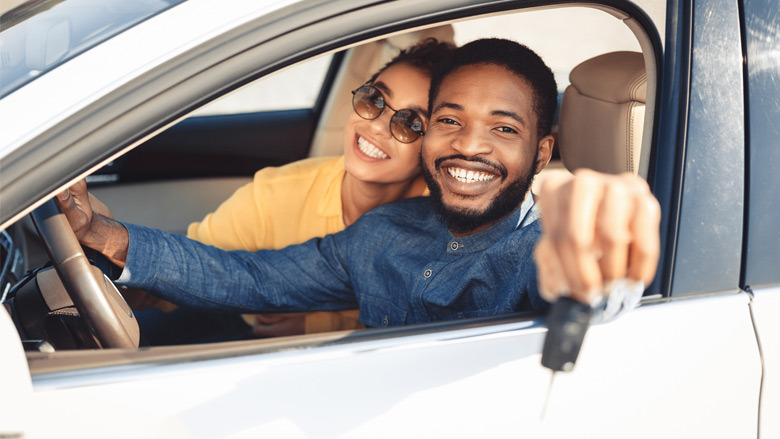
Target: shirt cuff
624 295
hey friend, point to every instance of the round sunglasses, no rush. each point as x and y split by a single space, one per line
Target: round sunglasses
406 125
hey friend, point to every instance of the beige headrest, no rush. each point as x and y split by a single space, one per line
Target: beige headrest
602 114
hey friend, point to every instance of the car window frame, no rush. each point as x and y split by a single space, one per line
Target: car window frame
159 104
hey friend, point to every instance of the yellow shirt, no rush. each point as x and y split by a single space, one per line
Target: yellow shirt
283 206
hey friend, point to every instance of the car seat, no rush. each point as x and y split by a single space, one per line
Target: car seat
602 114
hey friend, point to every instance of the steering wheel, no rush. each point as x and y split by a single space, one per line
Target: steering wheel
95 296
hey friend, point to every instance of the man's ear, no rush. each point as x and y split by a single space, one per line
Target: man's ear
545 148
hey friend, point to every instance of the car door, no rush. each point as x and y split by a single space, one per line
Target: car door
696 371
760 274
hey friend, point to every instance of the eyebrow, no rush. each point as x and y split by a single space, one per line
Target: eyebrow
450 105
505 113
381 86
511 115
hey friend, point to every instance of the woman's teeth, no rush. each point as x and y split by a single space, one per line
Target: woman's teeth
465 176
370 150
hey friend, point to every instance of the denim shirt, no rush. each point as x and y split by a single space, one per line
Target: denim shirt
398 264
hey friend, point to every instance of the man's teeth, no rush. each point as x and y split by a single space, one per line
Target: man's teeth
370 150
465 176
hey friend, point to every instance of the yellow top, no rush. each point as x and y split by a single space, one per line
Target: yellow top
283 206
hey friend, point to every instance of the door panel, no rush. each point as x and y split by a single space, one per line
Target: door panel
766 309
689 368
684 369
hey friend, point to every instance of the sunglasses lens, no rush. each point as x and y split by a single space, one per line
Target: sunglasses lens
406 126
368 102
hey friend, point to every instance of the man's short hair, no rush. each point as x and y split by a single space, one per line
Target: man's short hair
513 56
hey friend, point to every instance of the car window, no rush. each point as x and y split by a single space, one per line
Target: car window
294 88
588 32
37 36
563 37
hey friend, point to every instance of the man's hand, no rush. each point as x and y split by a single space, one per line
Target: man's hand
92 229
597 228
278 325
75 204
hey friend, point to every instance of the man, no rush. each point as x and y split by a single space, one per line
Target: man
465 251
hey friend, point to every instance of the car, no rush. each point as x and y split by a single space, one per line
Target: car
167 106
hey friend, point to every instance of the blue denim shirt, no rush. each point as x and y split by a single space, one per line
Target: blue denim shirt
398 264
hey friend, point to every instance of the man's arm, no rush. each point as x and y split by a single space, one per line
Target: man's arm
596 229
309 276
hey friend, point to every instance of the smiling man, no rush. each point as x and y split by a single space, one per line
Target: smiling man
492 107
467 250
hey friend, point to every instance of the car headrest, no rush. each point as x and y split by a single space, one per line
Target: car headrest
602 114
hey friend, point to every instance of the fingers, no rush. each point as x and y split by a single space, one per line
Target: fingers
279 325
597 228
575 238
75 204
613 231
552 282
645 246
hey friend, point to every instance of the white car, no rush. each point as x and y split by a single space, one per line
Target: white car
125 93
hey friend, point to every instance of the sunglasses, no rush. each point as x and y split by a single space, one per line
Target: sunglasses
369 103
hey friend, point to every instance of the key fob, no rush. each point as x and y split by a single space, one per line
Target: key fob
567 323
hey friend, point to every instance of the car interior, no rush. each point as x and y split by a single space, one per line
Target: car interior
605 67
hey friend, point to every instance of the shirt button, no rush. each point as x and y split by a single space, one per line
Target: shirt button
454 246
385 322
427 273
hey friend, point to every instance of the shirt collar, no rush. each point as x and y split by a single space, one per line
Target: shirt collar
528 211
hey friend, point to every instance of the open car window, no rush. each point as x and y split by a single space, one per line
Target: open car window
200 160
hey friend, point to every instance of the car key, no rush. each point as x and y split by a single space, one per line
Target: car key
567 323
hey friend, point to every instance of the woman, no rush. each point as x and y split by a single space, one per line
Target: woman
318 196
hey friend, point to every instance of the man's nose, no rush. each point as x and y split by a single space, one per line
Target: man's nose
472 141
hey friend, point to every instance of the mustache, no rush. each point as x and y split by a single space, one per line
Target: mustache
499 169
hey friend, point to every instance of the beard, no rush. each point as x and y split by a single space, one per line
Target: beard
461 220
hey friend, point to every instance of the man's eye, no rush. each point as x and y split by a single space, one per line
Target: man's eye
507 130
446 120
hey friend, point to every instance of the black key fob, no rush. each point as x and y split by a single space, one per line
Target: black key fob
567 323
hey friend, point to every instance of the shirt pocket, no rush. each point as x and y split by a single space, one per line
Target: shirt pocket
378 313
